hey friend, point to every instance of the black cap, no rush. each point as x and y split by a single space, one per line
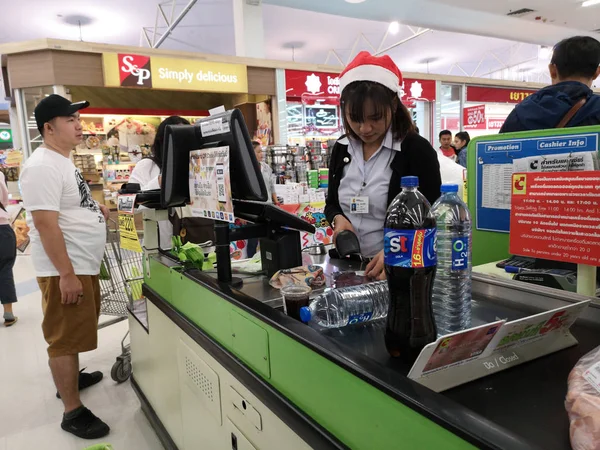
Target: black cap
55 106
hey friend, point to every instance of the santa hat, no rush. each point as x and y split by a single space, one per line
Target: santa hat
366 67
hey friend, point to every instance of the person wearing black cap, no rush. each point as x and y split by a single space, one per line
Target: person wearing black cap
68 234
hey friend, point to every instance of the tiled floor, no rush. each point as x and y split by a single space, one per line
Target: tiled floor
30 413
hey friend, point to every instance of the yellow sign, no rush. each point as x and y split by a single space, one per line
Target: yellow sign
128 234
519 184
128 70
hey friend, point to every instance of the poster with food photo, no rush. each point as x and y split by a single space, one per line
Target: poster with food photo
210 184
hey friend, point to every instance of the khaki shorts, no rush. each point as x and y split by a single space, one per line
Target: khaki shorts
70 329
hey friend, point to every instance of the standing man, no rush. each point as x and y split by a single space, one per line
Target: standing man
574 66
446 145
68 235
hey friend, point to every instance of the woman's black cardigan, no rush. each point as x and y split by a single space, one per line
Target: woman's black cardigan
417 157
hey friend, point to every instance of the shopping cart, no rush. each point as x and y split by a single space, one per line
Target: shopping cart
121 278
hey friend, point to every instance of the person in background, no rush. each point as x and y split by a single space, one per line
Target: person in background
379 148
461 142
146 173
446 145
68 236
267 174
8 256
573 68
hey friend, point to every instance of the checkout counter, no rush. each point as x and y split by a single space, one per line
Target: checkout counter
222 367
216 366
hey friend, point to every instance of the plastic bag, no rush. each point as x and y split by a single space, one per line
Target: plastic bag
583 402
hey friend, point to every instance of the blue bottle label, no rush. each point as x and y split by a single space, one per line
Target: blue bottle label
410 248
359 318
460 253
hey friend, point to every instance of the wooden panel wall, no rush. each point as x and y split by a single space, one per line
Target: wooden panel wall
261 81
78 69
31 69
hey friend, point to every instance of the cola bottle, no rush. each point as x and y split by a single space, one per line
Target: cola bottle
410 265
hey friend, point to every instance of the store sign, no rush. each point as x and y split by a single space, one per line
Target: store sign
474 118
483 94
495 124
556 216
129 70
5 136
299 82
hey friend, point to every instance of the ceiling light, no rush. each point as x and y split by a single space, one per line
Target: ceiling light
395 27
354 1
545 52
586 3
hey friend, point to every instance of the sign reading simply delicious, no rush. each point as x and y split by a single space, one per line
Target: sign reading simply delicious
128 70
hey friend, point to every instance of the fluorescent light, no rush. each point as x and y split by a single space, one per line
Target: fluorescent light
545 52
354 1
395 27
586 3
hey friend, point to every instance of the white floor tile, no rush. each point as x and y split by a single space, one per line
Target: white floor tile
31 413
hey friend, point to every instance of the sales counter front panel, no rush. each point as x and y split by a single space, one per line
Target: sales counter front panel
217 367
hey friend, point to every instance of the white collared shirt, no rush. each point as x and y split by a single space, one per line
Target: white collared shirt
368 179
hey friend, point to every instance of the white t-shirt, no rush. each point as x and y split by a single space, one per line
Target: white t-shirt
146 173
51 182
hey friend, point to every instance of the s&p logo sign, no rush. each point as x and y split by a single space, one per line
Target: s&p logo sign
134 70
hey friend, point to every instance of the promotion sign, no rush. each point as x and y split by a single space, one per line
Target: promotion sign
474 118
210 184
130 70
128 236
467 355
556 216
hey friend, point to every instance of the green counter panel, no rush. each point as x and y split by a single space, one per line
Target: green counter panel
159 279
357 413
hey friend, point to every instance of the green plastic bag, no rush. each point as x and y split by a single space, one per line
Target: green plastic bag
99 447
104 274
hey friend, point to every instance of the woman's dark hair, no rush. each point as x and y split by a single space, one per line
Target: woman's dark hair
353 100
463 136
157 146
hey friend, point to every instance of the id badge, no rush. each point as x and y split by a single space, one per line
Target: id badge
359 205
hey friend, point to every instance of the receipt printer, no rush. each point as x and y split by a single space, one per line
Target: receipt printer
552 278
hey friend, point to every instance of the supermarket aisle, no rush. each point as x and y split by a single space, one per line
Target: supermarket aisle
30 413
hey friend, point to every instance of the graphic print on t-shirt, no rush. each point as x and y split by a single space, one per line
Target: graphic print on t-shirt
86 196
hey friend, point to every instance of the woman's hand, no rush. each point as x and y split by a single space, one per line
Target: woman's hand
341 224
375 269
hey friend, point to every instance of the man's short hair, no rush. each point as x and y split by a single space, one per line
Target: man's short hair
577 56
445 133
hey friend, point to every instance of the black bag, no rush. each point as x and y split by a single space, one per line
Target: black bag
193 229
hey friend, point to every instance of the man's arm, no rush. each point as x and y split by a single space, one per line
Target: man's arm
53 241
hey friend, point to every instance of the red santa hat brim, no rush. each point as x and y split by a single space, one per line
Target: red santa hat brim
378 69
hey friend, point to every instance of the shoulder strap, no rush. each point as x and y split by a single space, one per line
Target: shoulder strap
576 107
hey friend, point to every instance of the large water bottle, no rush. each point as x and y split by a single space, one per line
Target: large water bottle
452 286
337 308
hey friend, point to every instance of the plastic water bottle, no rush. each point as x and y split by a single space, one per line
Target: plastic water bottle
452 286
410 266
337 308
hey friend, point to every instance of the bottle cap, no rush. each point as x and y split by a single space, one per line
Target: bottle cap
305 314
409 182
449 188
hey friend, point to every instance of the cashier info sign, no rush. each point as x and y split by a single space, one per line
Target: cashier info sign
140 71
556 215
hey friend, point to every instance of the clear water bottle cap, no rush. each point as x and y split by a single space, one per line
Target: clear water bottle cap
305 314
409 182
449 188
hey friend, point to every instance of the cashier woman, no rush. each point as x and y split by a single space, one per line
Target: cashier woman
380 147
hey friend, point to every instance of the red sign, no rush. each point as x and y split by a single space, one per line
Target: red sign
134 70
300 82
483 94
474 118
556 216
495 124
